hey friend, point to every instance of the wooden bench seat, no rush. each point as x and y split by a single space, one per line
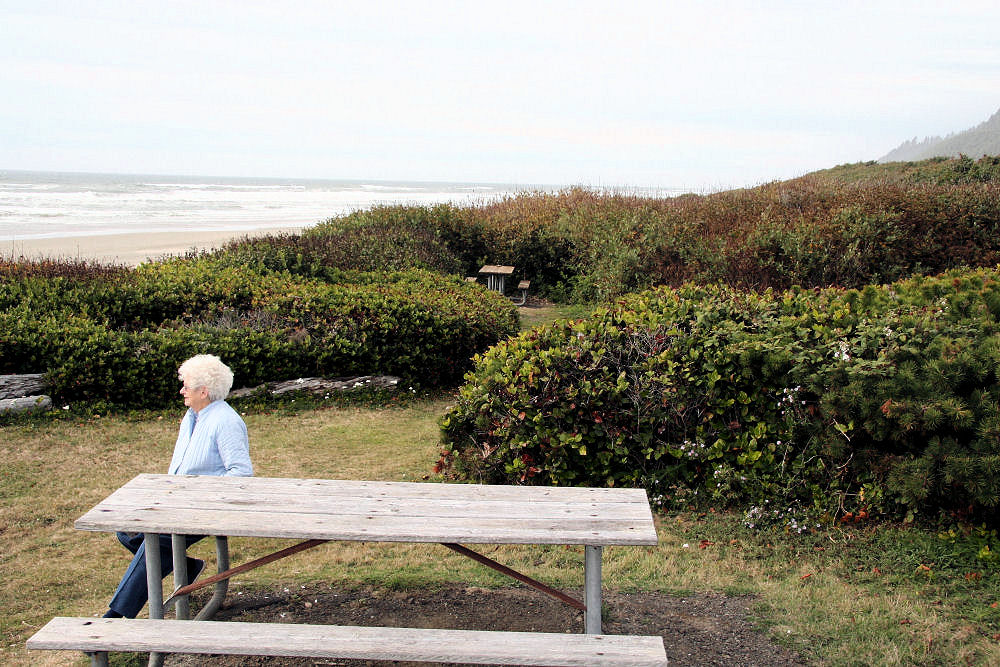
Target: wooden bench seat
96 635
523 289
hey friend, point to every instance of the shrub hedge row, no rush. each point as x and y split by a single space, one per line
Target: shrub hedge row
830 401
119 337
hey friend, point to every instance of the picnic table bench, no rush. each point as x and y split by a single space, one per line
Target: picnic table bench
369 511
522 287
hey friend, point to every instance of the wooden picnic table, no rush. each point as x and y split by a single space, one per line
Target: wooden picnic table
372 511
496 275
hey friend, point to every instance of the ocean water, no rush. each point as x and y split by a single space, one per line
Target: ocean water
36 205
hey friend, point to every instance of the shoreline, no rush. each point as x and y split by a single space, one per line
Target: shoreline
131 248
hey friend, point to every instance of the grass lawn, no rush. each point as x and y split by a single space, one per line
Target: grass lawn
845 595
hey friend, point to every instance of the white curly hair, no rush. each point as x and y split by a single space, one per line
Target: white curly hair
208 371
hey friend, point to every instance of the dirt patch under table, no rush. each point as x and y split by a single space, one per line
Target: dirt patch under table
697 630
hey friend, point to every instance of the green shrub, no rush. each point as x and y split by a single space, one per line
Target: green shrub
386 238
883 399
646 394
118 339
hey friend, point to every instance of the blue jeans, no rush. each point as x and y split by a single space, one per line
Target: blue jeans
132 592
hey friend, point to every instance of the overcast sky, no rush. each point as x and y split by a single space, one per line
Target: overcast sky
686 93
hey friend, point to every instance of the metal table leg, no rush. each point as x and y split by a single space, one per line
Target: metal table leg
99 659
154 586
592 589
179 548
221 587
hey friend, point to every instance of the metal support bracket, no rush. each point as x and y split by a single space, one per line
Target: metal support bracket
503 569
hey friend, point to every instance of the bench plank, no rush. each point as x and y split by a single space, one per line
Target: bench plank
347 642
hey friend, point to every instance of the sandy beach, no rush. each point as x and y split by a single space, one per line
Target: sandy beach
129 249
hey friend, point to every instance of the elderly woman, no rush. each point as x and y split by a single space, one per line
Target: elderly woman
212 440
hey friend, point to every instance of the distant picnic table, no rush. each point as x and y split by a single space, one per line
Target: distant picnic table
496 275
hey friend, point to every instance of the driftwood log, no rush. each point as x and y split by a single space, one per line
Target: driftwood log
16 386
21 393
26 404
320 385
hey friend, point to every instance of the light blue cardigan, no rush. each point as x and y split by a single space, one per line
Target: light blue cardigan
212 442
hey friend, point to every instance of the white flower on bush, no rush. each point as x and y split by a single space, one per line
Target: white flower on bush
693 450
843 351
788 394
752 516
788 398
793 519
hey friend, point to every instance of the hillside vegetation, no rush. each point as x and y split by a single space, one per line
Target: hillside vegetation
849 226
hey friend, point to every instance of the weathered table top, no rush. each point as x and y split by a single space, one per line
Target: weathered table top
498 270
375 511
